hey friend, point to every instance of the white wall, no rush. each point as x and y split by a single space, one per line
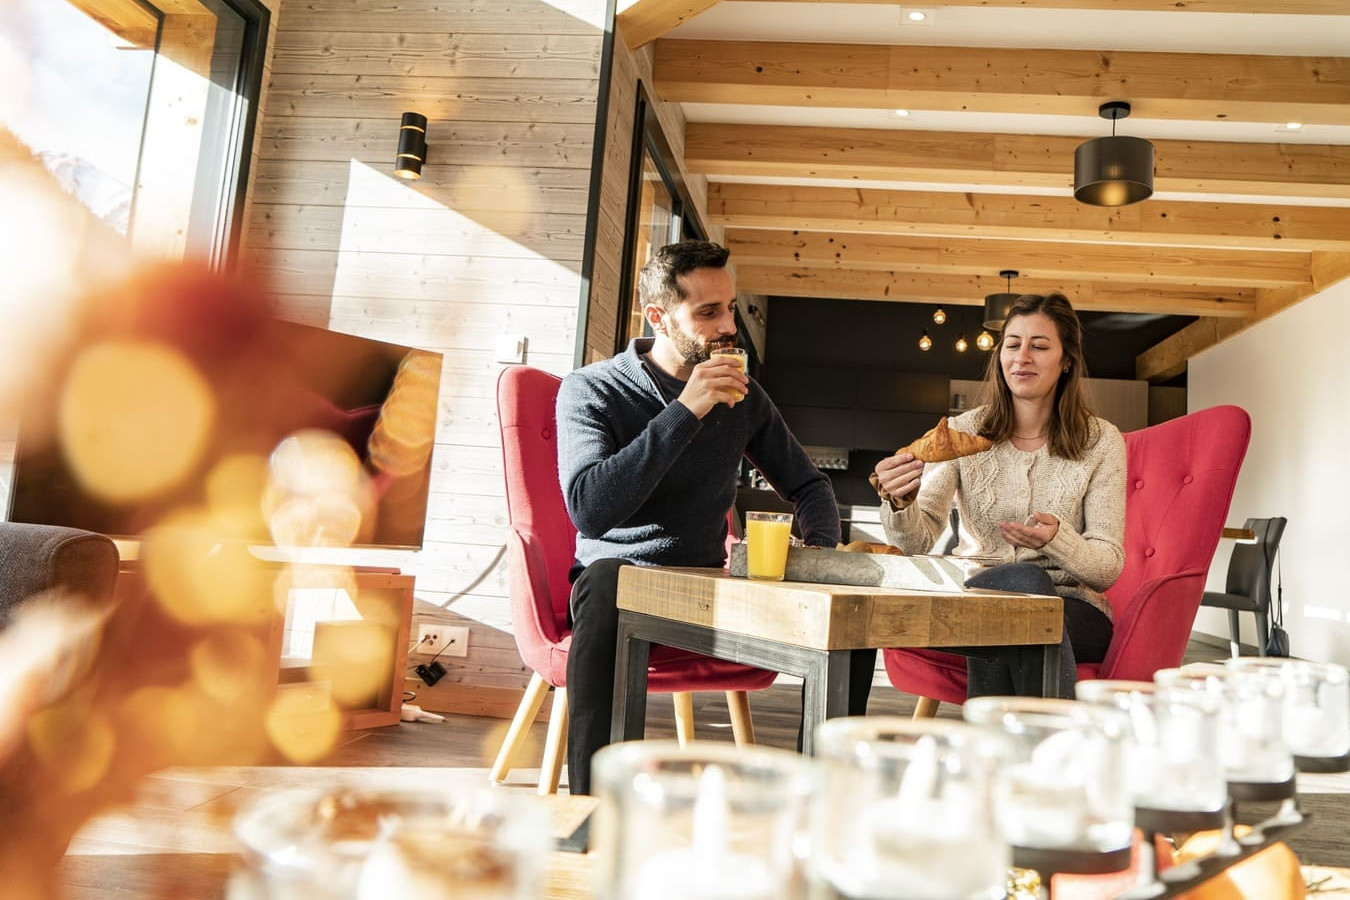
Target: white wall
1292 374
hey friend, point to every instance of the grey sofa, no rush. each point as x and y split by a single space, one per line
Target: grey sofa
37 558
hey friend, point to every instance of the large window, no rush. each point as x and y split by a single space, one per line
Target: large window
658 213
143 113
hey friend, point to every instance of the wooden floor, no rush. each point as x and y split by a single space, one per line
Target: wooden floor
175 841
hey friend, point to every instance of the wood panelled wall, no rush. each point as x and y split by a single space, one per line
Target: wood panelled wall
487 243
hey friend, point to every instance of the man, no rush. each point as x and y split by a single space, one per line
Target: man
649 450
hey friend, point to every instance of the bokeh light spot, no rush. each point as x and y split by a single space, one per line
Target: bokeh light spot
317 494
74 744
134 419
303 722
201 578
228 665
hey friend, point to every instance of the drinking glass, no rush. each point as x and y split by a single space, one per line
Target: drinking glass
1256 761
1316 711
707 822
354 844
1063 802
1173 742
905 810
736 355
767 536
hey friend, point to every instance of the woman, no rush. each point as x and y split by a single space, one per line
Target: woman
1048 500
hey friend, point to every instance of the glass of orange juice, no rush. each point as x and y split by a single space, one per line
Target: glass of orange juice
766 537
736 355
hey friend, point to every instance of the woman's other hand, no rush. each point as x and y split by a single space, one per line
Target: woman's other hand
899 475
1034 533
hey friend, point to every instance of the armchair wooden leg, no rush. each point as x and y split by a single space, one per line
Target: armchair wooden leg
926 708
555 745
742 726
530 702
684 717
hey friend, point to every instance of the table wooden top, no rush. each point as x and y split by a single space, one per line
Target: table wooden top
840 617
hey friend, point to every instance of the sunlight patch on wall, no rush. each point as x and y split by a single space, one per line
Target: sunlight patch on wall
592 12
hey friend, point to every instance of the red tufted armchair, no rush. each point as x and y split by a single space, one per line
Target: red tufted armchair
540 548
1181 479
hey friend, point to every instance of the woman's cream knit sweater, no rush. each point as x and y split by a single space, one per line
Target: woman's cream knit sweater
1006 485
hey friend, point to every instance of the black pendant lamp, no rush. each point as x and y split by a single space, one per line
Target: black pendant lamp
996 306
1115 170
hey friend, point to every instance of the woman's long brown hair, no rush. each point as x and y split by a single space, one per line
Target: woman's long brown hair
1071 427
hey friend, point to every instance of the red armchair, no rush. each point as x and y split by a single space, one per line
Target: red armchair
541 546
1181 479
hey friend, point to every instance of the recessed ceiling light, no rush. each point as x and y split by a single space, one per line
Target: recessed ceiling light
1292 126
916 16
902 113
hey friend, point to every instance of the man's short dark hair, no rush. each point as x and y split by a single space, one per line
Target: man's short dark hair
657 281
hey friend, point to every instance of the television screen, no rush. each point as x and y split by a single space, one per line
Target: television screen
288 405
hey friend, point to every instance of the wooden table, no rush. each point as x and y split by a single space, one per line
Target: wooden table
808 630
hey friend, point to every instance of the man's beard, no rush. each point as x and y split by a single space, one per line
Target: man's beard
690 349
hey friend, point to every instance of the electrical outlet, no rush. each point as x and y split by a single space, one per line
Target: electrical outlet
436 639
456 641
430 639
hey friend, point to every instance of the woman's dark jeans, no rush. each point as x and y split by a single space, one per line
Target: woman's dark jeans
1017 671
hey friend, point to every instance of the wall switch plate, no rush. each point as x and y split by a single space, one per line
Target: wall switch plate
511 348
438 639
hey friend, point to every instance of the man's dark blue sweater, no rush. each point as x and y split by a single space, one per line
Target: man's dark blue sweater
646 480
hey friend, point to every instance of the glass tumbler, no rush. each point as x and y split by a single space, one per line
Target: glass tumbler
355 844
1256 761
1315 718
1063 802
1173 742
905 810
710 822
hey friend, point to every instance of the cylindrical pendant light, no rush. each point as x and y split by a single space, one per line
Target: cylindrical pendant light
1115 170
996 306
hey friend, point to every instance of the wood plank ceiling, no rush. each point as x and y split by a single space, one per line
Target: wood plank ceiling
826 192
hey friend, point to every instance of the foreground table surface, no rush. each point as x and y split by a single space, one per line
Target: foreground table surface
839 617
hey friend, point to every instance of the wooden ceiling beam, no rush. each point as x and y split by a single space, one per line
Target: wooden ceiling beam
1183 267
1285 7
127 19
1168 358
1037 217
1194 86
647 20
969 290
1305 170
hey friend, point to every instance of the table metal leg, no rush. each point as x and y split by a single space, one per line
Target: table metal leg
630 684
1050 670
825 693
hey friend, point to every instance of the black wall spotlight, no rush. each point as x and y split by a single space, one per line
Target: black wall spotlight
412 146
1115 170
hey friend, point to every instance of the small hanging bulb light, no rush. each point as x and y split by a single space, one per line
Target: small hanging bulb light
961 345
985 341
939 316
925 342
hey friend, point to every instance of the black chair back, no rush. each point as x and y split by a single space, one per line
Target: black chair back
1250 566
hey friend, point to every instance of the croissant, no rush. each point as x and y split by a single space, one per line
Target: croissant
938 444
870 547
941 443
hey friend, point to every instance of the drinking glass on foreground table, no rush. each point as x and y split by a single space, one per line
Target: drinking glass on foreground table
905 810
711 822
350 844
1315 715
1062 803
